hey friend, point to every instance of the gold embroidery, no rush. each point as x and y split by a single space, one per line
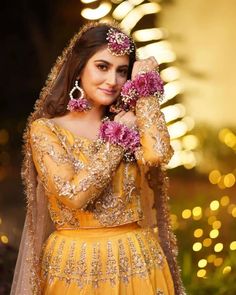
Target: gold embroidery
111 261
155 140
82 267
96 265
111 270
70 263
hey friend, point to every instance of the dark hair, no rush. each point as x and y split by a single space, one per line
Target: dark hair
85 47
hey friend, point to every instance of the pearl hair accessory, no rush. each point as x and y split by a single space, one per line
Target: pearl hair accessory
119 43
78 104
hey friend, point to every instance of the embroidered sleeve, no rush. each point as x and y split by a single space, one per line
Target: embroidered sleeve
56 170
154 137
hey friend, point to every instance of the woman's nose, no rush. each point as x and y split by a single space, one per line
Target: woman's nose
112 78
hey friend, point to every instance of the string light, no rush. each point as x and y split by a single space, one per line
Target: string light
232 246
207 242
218 261
226 270
214 205
186 213
201 273
224 201
197 246
198 233
214 233
202 263
4 239
218 247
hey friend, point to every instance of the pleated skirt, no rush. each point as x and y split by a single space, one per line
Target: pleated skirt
120 260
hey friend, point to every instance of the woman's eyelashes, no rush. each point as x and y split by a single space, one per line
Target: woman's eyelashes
122 71
102 67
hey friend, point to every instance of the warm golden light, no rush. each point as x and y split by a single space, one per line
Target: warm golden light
148 35
122 10
211 258
234 212
211 219
171 90
218 261
214 233
97 13
207 242
231 208
226 270
186 214
4 239
176 144
197 211
202 263
88 1
224 201
232 246
197 246
198 233
177 129
216 224
229 180
189 122
214 176
201 273
214 205
161 50
190 142
170 74
218 247
173 112
134 16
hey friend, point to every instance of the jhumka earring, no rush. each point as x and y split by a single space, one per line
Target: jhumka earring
80 103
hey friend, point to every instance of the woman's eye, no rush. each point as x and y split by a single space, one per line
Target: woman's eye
102 67
123 72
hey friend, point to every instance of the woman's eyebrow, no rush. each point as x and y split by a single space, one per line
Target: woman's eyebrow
108 63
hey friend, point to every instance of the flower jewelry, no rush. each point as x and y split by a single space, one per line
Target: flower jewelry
119 43
78 104
145 84
117 133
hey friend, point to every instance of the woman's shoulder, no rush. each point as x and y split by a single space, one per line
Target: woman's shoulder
43 124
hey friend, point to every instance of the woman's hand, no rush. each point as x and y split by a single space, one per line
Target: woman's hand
144 65
126 118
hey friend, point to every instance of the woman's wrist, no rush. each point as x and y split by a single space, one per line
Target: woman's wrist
120 134
144 85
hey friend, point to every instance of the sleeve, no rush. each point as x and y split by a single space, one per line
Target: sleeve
58 175
155 146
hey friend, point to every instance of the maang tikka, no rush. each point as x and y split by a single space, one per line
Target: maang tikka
80 103
119 43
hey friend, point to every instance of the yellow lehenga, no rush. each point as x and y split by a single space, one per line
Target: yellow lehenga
101 248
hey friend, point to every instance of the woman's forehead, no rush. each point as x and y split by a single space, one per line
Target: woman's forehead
104 54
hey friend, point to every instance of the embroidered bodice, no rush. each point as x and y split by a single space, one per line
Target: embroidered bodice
74 168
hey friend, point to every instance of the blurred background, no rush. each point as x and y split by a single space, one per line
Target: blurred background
195 44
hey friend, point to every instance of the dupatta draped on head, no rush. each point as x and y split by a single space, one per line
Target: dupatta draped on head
38 224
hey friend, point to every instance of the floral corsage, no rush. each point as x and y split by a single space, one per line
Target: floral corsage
144 84
120 134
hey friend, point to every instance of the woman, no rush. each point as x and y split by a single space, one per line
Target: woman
95 150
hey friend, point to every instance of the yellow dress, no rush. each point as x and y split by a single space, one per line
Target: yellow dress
100 247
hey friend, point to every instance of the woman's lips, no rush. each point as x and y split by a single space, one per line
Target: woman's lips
107 91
